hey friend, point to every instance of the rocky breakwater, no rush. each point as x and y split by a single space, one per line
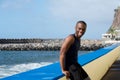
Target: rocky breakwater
30 44
90 45
46 44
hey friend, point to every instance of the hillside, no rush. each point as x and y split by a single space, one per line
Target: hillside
116 21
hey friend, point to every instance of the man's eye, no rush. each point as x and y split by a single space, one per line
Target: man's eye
80 28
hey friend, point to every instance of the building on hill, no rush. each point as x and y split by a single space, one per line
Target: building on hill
117 35
111 35
106 36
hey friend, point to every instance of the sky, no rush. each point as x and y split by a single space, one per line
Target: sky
55 18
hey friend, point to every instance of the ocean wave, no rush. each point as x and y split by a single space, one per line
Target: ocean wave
15 69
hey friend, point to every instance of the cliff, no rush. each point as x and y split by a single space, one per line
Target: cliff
116 21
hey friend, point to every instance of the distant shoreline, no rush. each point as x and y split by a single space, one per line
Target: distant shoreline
45 44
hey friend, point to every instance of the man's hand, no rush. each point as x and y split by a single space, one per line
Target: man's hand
67 74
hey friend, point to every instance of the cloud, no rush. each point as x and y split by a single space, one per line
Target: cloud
14 3
97 13
85 9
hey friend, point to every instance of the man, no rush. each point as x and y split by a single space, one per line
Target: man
69 54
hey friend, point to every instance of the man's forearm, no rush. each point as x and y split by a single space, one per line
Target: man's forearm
62 57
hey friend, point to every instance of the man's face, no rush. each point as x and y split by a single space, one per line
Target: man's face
80 29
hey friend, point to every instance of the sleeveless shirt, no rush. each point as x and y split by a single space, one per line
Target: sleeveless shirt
71 55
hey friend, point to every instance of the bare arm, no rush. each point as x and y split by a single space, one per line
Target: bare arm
65 46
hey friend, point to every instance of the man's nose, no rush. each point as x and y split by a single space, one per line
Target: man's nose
81 30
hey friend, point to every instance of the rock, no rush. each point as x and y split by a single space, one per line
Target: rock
48 44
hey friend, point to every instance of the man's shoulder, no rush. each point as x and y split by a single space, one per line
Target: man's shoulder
70 38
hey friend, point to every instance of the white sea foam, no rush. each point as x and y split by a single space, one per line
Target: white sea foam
7 70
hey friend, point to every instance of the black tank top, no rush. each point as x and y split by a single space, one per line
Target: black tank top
71 56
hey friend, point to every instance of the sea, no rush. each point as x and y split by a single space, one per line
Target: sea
14 62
